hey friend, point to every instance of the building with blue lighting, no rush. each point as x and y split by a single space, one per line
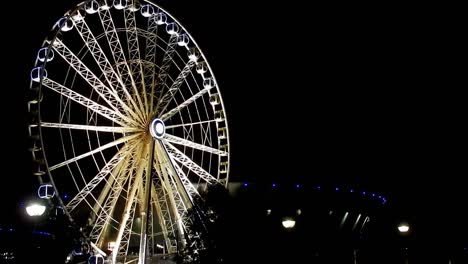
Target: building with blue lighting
333 224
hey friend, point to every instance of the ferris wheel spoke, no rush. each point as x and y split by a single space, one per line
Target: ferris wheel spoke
164 68
142 170
187 162
150 56
124 174
181 219
174 176
111 35
157 227
185 181
121 241
145 189
91 128
106 170
110 74
125 231
110 95
101 148
177 204
90 104
123 69
167 115
134 51
108 198
161 201
169 95
184 142
190 124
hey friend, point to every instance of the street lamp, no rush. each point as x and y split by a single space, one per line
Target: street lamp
403 228
35 209
288 223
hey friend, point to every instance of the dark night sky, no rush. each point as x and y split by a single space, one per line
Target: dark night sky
357 94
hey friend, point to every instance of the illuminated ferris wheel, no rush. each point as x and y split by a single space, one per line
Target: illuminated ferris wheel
128 127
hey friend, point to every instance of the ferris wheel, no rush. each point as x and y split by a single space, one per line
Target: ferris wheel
128 126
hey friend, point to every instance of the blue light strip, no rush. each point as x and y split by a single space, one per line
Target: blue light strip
340 189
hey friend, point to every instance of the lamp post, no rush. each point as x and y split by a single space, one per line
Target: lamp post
404 230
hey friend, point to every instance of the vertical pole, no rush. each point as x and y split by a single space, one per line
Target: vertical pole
146 203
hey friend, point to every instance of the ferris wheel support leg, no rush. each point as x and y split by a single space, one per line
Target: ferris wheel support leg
145 207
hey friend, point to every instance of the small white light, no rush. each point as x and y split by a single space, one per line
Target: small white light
159 128
403 228
35 209
288 223
268 211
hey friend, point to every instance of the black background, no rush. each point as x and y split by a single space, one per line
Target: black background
360 95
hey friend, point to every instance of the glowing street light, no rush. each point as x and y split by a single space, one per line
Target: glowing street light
403 228
35 209
288 223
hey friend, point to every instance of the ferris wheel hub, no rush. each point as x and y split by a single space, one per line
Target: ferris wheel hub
157 128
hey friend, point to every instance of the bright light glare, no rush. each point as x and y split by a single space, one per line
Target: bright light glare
35 210
288 223
159 128
403 228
